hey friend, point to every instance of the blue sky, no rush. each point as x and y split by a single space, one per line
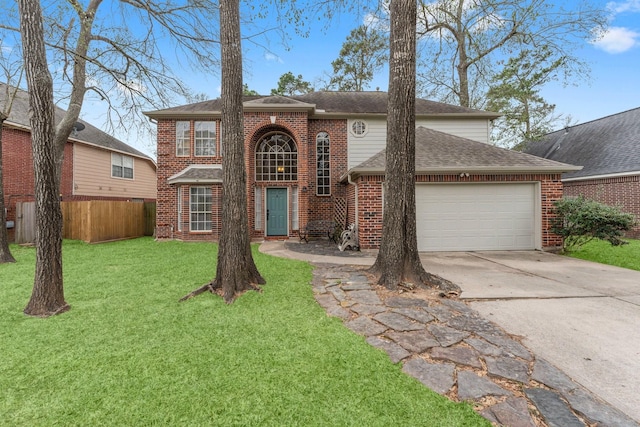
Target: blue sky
614 85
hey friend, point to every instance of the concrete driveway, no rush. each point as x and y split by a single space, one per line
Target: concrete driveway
581 316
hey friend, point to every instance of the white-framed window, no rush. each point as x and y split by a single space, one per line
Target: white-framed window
359 128
121 166
276 158
258 208
183 138
323 170
205 138
179 206
200 204
295 224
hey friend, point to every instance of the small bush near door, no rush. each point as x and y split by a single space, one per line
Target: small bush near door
579 220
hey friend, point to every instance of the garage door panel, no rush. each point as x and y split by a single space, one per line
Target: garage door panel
475 217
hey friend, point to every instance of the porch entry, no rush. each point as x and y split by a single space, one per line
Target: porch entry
277 212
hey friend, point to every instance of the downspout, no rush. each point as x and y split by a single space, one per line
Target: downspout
351 182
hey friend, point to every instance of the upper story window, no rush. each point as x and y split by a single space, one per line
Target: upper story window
359 128
276 158
183 138
323 170
205 138
121 166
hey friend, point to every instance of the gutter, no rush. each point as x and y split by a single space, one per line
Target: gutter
471 169
605 176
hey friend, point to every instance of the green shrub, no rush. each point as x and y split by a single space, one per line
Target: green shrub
581 220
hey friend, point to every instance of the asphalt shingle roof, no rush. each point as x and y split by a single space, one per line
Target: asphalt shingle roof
604 146
193 174
326 103
442 152
19 115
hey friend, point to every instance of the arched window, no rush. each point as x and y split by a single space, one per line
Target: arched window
323 170
276 158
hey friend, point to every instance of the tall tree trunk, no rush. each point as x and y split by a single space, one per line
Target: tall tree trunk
5 253
236 270
47 297
398 261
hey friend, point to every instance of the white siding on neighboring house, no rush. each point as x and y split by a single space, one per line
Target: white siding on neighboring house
92 175
375 139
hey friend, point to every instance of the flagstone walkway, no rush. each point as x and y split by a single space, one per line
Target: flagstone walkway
454 351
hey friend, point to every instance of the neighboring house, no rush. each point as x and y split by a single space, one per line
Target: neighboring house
608 149
96 165
319 156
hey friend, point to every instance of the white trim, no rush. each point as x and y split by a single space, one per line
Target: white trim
605 176
122 157
180 206
365 131
191 211
259 210
295 213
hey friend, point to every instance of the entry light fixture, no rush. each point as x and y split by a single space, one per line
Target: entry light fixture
280 169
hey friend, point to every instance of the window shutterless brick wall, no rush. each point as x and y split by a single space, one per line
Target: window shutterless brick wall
622 192
322 207
370 202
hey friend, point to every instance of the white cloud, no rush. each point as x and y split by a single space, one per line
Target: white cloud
271 57
617 40
624 6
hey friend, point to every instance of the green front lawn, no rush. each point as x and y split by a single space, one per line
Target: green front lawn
627 256
128 354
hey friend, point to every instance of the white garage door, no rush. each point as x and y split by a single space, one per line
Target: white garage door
467 217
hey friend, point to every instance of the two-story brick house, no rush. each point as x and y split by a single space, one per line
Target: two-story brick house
321 156
96 166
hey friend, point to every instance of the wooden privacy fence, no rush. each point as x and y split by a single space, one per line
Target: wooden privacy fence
25 222
103 220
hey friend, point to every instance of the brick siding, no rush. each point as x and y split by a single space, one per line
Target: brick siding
370 202
303 130
257 125
622 192
18 175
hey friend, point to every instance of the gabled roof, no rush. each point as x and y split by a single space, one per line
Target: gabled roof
438 152
90 135
606 146
320 104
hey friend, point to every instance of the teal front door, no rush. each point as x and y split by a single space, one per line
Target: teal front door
276 211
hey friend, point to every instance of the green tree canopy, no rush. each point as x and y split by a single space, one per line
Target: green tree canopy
515 92
363 53
248 92
290 85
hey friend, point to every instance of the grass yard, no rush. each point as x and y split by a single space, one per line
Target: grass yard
128 354
627 256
